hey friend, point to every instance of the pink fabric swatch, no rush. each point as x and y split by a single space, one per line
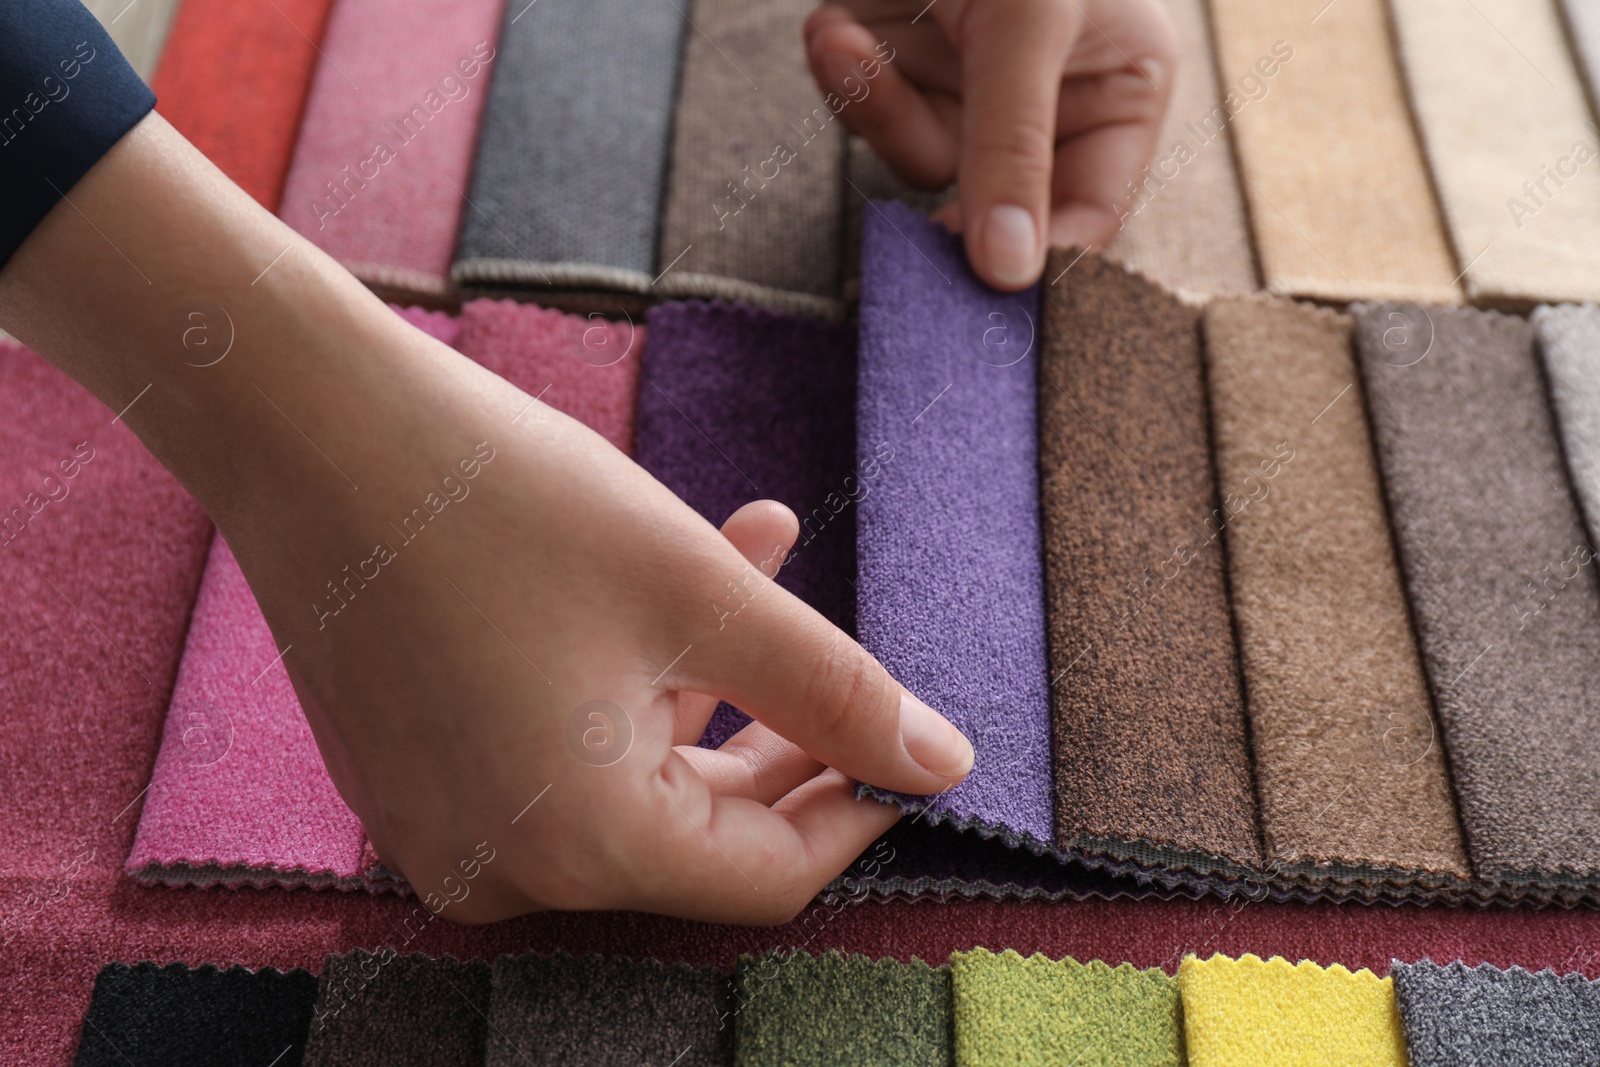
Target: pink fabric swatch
441 325
385 149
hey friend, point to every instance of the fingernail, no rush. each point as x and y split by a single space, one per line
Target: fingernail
838 67
932 741
1011 244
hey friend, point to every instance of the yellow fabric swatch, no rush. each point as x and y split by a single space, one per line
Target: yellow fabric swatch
1249 1012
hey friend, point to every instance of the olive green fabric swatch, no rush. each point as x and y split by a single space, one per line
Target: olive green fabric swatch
790 1009
1011 1010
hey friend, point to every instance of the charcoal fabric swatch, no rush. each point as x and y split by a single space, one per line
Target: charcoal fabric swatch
181 1017
1498 567
789 1009
1569 340
567 186
1149 731
755 193
950 595
1482 1015
739 404
385 1008
1348 765
593 1012
1035 1010
139 29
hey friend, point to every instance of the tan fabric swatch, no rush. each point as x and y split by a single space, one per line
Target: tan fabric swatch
139 29
755 189
1347 762
1499 105
1339 196
1186 227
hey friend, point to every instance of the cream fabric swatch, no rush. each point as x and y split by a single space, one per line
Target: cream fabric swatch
139 28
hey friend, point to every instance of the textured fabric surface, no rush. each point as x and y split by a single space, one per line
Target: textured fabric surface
439 325
1339 196
597 1012
738 404
149 1014
1583 30
1347 760
1035 1010
1509 142
1456 1014
233 80
385 1008
1498 568
1569 340
754 196
868 178
1185 224
1149 717
385 149
139 29
840 1009
1250 1011
950 592
566 189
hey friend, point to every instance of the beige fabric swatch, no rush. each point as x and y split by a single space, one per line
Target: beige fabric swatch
1186 227
1338 192
1499 104
139 28
1348 764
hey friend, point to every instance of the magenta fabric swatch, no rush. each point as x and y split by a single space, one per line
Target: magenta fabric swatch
383 159
440 325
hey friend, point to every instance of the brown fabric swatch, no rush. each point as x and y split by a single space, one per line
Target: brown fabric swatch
381 1007
1339 197
1150 737
1500 577
1186 226
755 190
1341 720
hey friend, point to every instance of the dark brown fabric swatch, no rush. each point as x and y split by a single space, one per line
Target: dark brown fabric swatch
1346 757
381 1007
1500 577
1150 737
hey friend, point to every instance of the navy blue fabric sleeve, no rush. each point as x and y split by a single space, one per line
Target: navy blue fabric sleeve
66 96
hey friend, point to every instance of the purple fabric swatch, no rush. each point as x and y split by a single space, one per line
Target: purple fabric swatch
951 593
739 404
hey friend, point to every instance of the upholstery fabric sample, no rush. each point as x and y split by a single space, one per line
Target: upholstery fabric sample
1250 1011
173 1015
840 1009
1503 596
385 150
1506 129
739 404
1150 738
566 189
754 196
1185 225
950 596
1035 1010
1583 30
1339 197
1569 340
385 1008
1348 764
867 178
140 29
558 1010
1459 1014
233 80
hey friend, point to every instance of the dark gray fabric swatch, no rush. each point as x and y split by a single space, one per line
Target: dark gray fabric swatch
1484 1017
384 1008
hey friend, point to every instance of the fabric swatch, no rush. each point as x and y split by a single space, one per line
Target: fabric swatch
754 197
1569 341
566 189
385 150
1151 758
139 29
950 596
1339 196
1504 599
386 1008
1456 1014
1035 1010
867 178
233 80
1185 224
1250 1010
1508 138
1583 30
840 1009
440 325
173 1015
559 1010
1348 764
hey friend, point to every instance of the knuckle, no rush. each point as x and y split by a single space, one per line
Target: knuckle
1016 146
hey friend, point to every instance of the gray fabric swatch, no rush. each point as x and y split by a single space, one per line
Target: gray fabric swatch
380 1007
1497 566
1458 1016
567 186
1569 340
